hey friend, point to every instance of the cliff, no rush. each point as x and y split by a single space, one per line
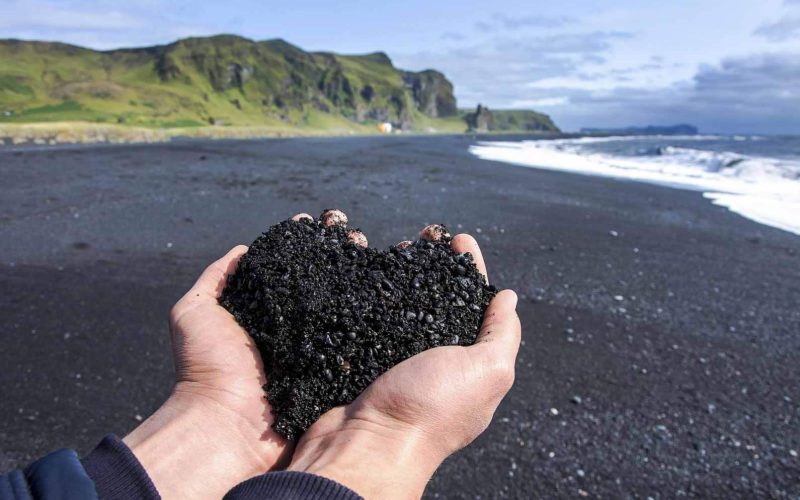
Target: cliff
219 80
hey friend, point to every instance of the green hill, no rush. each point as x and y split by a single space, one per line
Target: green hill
220 80
232 82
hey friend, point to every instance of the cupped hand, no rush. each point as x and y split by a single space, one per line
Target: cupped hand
214 431
390 440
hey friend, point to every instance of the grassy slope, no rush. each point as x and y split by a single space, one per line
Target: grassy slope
45 82
523 119
223 80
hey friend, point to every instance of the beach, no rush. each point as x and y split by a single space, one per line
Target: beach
661 333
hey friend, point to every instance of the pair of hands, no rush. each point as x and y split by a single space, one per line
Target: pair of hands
214 431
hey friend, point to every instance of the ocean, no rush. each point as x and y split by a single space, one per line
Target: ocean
757 177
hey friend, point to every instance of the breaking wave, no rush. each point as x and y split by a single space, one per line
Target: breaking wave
765 189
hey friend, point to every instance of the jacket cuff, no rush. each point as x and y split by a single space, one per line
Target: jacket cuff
117 473
290 485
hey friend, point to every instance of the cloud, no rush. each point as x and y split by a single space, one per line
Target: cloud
545 102
781 30
452 35
484 27
92 23
503 22
784 28
496 71
21 15
582 43
739 95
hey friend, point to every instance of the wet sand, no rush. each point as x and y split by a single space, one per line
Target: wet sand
663 361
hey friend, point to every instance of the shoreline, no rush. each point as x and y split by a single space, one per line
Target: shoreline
766 198
88 133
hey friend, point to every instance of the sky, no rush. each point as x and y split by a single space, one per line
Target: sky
726 66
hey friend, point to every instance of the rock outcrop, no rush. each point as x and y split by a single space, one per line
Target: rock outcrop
432 92
482 120
509 120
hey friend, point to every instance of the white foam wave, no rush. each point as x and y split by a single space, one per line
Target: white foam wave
766 190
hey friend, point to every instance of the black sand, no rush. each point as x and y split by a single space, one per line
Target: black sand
330 316
688 385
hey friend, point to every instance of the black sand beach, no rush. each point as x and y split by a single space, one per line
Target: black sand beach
660 362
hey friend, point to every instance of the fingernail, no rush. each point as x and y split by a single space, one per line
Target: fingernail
434 232
515 299
333 216
357 237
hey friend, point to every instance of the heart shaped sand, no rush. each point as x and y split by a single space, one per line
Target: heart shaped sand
329 316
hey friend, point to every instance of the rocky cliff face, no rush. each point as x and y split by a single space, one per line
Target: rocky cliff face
221 79
432 92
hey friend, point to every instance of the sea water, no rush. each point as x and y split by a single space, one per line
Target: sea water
757 177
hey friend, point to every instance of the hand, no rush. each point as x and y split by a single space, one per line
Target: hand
214 431
392 438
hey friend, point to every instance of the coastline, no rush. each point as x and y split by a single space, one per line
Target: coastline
751 182
61 133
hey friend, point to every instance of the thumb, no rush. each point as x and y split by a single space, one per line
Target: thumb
501 331
495 352
211 283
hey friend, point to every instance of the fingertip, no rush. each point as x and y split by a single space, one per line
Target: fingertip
357 237
213 279
434 232
301 216
464 243
404 244
231 259
333 216
508 297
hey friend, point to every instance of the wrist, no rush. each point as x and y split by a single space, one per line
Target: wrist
191 448
370 458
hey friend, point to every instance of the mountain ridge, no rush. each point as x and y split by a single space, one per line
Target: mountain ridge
218 80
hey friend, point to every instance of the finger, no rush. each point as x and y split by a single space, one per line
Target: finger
501 330
210 284
404 244
302 216
434 232
464 243
331 216
357 237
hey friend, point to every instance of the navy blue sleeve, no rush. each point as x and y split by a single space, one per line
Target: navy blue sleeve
58 476
112 471
14 486
117 473
291 486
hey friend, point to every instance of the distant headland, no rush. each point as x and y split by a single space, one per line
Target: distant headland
681 129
